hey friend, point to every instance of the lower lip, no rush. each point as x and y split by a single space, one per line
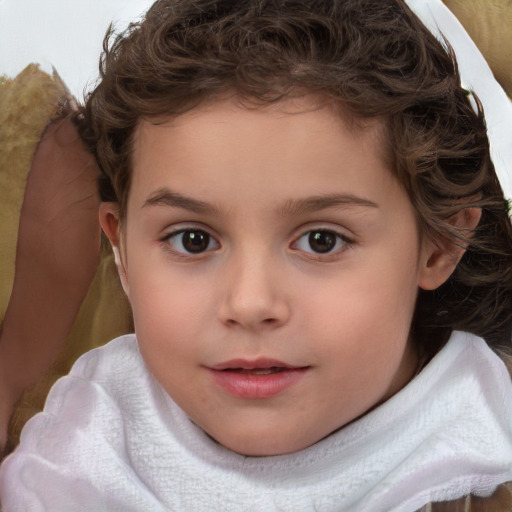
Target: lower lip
253 387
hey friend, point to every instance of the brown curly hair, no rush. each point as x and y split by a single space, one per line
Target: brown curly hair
374 58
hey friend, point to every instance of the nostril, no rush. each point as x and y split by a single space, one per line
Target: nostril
266 321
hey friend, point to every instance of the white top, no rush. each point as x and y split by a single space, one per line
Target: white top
110 439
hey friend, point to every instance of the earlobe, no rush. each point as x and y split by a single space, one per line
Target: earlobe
440 257
109 220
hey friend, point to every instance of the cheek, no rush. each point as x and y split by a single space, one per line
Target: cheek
169 313
365 317
369 294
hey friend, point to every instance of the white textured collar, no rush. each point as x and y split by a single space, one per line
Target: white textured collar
111 439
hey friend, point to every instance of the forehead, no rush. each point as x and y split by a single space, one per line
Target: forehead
230 105
298 141
304 117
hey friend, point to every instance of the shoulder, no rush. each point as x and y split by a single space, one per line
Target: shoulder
474 347
119 356
495 365
94 389
81 441
108 368
101 383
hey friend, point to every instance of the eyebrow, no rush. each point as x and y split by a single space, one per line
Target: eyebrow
166 197
315 203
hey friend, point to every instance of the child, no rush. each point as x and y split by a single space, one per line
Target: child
305 218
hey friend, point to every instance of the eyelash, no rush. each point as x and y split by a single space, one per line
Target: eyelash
336 242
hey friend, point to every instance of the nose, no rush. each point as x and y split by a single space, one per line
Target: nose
255 296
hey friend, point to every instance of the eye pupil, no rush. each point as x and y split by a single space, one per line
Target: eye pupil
195 241
322 241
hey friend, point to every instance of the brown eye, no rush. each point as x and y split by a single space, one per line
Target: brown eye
191 241
322 241
195 241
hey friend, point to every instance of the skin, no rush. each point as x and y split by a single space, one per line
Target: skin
252 179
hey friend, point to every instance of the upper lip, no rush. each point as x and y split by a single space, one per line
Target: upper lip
245 364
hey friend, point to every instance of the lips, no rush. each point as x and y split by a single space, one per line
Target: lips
258 379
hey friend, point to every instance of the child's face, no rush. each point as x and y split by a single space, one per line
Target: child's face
272 262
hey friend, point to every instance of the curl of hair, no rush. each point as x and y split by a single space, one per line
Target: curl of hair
376 60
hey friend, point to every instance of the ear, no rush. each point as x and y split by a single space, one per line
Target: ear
110 223
440 257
